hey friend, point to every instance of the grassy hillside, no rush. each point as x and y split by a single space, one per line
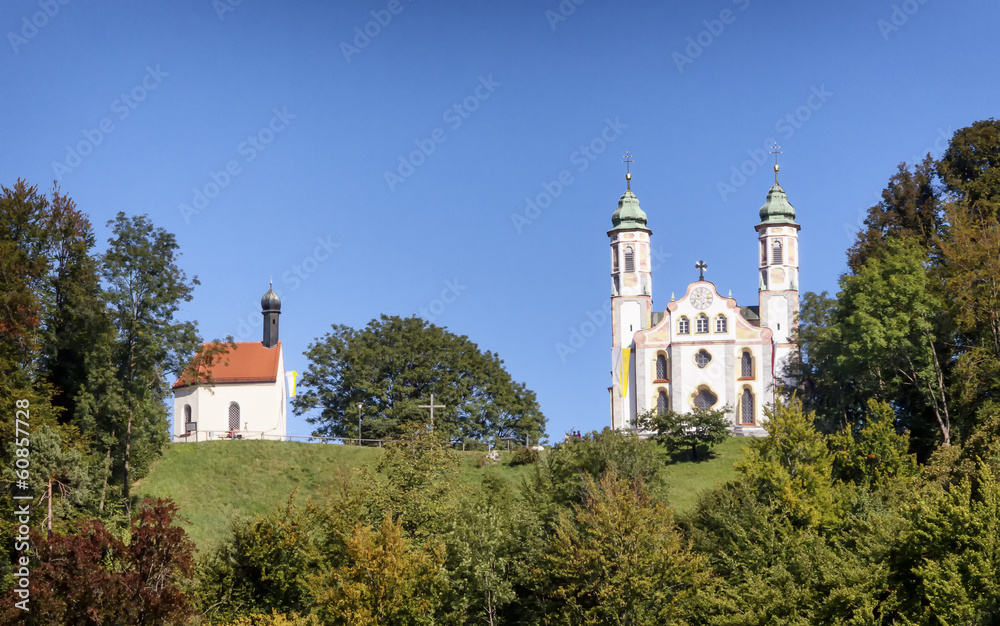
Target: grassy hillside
212 481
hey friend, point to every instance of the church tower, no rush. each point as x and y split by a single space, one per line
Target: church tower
270 307
631 300
778 237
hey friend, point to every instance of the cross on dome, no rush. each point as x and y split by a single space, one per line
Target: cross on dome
776 150
701 266
628 160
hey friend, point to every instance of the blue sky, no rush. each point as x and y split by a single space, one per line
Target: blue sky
379 157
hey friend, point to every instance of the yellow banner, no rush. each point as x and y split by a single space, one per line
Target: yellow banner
623 381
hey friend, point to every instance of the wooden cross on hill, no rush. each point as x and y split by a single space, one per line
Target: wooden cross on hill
431 406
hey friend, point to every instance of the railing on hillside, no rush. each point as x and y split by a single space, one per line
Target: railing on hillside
226 435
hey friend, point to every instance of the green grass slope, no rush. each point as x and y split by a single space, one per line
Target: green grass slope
213 481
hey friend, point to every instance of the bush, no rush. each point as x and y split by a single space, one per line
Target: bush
525 456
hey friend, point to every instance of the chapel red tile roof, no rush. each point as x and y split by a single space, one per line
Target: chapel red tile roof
250 362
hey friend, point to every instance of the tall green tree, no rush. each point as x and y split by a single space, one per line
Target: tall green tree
911 208
491 547
393 365
145 289
970 168
619 559
792 468
385 581
892 322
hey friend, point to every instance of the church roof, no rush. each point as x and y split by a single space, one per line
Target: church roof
777 209
250 362
628 216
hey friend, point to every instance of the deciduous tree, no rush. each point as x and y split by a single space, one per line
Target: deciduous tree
393 365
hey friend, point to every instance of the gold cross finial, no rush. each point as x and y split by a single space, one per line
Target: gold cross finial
628 161
776 150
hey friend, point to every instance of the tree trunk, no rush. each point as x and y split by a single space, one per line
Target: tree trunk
946 427
128 451
50 510
107 472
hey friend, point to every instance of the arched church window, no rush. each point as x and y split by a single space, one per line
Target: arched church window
746 407
746 365
234 416
684 326
701 323
705 399
614 260
763 253
721 324
629 259
662 402
776 255
187 414
702 358
661 367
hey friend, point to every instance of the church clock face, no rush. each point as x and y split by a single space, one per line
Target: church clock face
701 298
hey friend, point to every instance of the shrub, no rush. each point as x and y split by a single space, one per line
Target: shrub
525 456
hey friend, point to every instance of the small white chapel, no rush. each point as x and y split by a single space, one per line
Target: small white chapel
247 393
704 350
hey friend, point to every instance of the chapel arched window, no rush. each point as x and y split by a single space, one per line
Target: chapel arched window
746 407
234 416
746 365
776 254
629 259
661 367
662 402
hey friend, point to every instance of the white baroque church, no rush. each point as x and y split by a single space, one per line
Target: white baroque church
704 350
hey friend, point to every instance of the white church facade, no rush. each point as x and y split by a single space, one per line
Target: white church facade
247 394
704 350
